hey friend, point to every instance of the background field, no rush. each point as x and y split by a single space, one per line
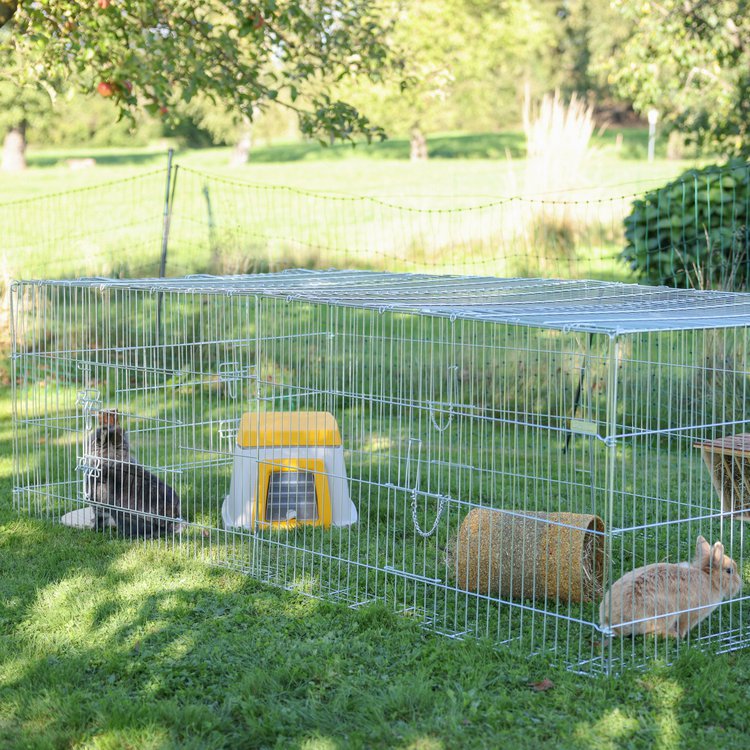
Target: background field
477 207
472 164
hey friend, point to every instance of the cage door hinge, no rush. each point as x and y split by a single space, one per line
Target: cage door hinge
232 372
90 401
228 429
89 466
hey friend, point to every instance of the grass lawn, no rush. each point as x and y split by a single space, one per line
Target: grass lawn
300 204
461 165
104 644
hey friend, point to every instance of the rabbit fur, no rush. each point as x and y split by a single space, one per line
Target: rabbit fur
124 485
668 599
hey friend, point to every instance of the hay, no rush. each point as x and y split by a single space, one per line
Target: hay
530 555
728 462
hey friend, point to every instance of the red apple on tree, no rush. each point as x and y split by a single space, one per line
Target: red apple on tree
105 88
103 4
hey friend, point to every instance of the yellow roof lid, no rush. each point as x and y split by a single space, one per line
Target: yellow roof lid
279 428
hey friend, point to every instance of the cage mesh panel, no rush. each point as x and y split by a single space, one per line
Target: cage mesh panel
291 494
451 394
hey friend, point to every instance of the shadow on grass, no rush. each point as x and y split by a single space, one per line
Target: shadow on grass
103 158
472 146
111 644
107 644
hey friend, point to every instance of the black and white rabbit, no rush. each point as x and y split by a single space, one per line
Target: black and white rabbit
121 485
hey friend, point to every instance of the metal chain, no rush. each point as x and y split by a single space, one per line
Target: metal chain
434 420
441 506
452 369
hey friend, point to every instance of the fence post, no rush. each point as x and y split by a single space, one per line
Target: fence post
168 197
168 203
213 248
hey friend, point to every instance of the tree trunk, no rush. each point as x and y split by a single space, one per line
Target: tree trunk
14 149
7 9
417 145
675 145
241 152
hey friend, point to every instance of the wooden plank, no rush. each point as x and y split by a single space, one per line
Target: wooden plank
733 445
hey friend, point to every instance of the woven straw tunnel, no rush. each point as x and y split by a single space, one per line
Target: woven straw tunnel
530 555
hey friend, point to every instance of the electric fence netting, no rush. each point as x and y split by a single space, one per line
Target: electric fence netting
691 233
247 228
111 229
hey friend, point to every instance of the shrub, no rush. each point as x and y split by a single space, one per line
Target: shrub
693 232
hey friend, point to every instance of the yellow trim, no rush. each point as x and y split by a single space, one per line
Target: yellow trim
275 429
322 493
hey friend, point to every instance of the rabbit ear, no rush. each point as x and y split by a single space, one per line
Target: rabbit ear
108 418
718 552
702 548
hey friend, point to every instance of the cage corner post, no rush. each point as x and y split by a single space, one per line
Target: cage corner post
255 400
13 299
610 471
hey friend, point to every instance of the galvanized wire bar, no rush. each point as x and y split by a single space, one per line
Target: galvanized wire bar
423 441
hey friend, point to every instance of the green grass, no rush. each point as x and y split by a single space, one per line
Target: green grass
367 206
104 644
472 164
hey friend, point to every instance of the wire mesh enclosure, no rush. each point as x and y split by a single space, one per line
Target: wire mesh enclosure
494 458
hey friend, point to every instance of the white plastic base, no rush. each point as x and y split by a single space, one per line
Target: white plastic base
83 518
237 509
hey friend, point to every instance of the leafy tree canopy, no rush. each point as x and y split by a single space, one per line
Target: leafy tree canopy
21 104
689 59
467 60
160 55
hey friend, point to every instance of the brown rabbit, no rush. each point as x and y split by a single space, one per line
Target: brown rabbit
669 599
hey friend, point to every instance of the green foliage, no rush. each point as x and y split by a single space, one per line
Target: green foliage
457 84
693 232
454 83
691 61
586 32
203 74
93 121
157 57
20 104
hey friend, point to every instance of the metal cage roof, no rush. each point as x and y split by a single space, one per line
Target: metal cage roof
595 306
